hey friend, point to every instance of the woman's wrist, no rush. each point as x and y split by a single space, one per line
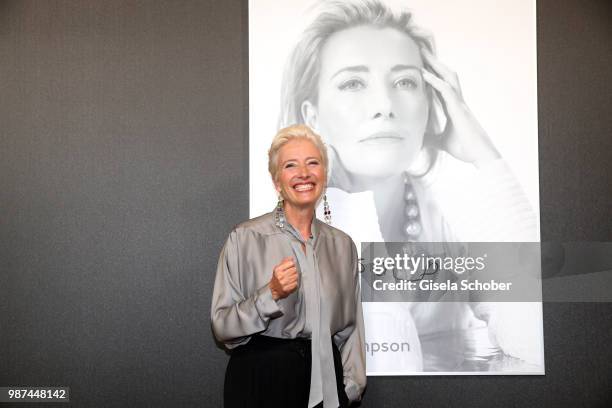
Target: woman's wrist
275 294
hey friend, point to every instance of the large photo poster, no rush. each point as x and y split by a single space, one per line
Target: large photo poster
428 109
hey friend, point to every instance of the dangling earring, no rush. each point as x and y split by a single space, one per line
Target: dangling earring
326 210
279 215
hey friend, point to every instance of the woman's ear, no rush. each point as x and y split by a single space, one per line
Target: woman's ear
277 186
310 115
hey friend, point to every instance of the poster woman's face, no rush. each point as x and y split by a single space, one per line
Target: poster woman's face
372 105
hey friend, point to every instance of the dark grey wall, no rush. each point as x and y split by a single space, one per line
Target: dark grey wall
123 165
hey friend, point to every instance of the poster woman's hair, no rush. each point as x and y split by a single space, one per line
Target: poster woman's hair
301 76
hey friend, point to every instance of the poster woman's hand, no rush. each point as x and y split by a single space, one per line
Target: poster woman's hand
463 137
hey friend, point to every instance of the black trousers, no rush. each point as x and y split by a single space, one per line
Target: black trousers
270 372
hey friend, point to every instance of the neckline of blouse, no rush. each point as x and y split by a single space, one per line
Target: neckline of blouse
286 225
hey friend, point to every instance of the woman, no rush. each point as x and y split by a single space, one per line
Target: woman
367 79
409 161
286 298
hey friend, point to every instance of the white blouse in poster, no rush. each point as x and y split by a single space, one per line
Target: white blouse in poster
411 159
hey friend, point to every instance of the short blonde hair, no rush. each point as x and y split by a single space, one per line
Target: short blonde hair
284 135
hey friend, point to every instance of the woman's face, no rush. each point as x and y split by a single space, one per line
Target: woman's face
372 105
300 175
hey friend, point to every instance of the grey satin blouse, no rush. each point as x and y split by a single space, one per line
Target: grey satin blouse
327 302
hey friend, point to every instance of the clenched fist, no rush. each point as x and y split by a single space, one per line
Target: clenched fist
284 279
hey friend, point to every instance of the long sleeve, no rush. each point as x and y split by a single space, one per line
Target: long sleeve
236 315
352 342
485 204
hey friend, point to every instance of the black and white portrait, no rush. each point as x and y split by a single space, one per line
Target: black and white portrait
429 113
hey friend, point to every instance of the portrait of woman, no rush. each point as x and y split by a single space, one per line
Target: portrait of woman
410 162
286 299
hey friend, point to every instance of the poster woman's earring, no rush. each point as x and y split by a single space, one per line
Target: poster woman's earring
326 210
279 215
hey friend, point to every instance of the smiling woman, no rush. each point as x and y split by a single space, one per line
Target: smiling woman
299 171
286 300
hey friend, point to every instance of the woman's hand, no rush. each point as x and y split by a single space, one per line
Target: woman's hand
463 137
284 279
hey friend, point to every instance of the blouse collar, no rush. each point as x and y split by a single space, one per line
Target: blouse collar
282 223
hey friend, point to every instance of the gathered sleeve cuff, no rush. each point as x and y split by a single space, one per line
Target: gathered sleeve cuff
236 315
265 304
